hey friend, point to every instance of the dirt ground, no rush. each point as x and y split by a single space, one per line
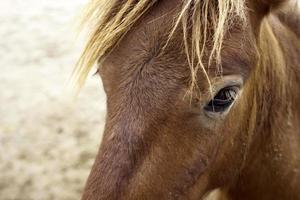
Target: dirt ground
47 142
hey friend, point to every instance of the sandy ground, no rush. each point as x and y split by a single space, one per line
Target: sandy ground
47 142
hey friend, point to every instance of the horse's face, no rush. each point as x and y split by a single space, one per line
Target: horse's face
159 142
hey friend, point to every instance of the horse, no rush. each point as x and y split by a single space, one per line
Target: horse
202 95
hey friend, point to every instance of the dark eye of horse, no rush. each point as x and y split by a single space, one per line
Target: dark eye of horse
222 100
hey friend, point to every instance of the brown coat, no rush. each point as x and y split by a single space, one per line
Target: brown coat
161 142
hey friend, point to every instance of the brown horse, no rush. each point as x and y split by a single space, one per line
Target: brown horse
201 95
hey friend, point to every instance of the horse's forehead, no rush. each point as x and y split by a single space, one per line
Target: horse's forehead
165 6
155 24
146 38
141 45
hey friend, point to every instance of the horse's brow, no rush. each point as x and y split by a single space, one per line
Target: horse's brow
150 45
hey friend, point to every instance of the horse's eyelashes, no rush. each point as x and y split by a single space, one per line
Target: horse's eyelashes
222 100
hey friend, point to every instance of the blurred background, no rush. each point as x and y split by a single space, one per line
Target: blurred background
47 141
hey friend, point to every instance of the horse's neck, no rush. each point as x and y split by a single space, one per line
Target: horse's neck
273 167
289 15
287 31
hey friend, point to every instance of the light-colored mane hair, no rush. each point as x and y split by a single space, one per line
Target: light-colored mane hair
111 20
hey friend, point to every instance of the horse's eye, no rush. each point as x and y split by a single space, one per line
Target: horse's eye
222 100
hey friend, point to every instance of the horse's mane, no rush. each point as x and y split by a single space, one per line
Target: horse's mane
111 20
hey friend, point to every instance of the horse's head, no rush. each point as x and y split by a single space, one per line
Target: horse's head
175 74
